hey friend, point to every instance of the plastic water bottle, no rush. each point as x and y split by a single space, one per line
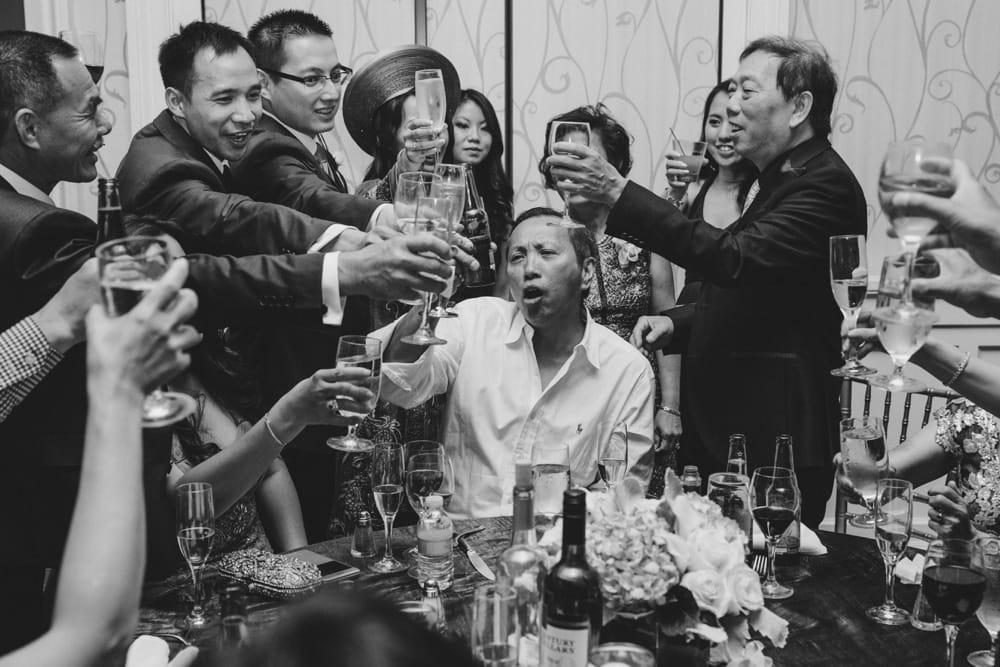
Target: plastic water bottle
434 548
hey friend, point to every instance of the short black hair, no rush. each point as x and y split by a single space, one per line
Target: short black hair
804 66
28 77
269 33
177 53
614 136
582 239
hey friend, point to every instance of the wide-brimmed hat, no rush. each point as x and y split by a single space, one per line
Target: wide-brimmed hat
387 75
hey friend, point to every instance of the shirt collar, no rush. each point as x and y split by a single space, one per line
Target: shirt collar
588 343
309 142
23 186
219 164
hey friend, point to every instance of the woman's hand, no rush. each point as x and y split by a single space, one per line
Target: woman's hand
861 333
421 140
320 397
677 172
948 514
667 431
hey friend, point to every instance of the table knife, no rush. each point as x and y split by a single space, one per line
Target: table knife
476 560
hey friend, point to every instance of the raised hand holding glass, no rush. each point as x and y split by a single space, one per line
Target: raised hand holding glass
914 166
849 280
359 352
865 460
576 133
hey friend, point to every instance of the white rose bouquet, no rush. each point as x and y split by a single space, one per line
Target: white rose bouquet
682 558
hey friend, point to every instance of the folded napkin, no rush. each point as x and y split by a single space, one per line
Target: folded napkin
148 651
910 570
809 542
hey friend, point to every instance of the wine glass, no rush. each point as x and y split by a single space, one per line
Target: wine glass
775 499
434 215
91 50
989 611
613 461
551 474
452 186
849 280
954 584
425 474
914 166
894 281
893 520
432 102
387 486
128 269
410 187
865 459
576 133
496 633
195 533
902 330
359 352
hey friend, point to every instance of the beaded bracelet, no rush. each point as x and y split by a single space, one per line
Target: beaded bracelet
959 369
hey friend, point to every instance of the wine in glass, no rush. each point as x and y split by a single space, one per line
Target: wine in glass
387 486
902 330
849 280
954 584
914 166
775 499
411 186
893 520
195 534
865 459
550 472
90 48
129 268
432 102
434 215
989 611
451 186
359 352
613 461
576 133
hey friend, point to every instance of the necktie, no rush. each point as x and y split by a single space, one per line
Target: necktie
227 178
751 195
328 166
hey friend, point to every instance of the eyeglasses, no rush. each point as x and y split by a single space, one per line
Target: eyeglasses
338 76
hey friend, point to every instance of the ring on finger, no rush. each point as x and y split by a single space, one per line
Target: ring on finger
332 406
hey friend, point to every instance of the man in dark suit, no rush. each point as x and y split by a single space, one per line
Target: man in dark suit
763 334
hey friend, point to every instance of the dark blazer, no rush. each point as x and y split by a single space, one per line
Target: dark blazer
278 168
762 334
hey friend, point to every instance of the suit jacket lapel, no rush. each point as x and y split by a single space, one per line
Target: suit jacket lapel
179 137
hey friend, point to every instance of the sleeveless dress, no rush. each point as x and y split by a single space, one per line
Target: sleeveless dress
970 436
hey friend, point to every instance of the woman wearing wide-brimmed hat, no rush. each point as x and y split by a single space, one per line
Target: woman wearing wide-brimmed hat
380 115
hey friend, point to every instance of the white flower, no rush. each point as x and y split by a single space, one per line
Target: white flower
753 656
712 548
709 590
744 586
769 624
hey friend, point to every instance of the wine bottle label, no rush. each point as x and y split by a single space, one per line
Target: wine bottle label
564 647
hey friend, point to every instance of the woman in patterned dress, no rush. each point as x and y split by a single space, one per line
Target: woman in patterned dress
630 282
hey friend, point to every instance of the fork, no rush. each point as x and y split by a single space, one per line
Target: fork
759 563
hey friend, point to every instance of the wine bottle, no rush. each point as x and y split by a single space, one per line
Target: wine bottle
572 604
523 531
476 227
784 457
110 225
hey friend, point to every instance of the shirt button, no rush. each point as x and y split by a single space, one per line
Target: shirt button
29 359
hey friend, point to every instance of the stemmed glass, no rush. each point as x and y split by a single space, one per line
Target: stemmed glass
954 584
91 50
865 460
576 133
387 486
550 472
128 269
436 216
452 186
849 280
359 352
613 461
902 330
432 102
195 533
989 611
775 499
893 520
914 166
411 186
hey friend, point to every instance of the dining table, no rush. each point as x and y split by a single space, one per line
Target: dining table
826 613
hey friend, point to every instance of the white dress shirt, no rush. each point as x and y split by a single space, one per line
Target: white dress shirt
498 409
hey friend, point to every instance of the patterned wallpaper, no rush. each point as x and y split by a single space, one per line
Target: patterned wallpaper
910 68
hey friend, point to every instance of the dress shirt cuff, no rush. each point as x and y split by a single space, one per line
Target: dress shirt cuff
378 211
38 353
330 289
328 237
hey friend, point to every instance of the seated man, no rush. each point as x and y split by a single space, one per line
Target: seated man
535 371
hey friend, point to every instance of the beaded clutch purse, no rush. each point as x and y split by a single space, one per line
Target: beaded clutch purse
269 574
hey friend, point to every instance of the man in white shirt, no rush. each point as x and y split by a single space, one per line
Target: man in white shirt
523 374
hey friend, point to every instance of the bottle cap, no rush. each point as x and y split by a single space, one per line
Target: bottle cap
364 518
431 588
522 476
574 503
691 470
434 502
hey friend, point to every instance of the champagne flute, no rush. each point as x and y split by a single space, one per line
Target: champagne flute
902 330
865 459
387 486
91 50
954 584
434 215
432 102
914 166
989 611
849 280
359 352
576 133
551 474
129 268
893 520
451 186
195 534
411 186
775 499
613 461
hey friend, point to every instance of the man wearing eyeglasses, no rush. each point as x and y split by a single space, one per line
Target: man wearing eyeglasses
287 161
